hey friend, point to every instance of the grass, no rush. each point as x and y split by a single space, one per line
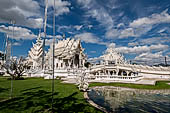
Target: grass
158 85
33 95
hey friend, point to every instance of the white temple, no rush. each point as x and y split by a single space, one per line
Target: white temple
112 57
68 57
35 54
114 67
68 54
69 60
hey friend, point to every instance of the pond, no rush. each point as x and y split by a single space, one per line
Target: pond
126 100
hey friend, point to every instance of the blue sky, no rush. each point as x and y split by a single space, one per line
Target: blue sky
138 29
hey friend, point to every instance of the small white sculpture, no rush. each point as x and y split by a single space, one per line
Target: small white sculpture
82 82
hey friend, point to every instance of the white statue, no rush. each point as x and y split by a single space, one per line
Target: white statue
82 82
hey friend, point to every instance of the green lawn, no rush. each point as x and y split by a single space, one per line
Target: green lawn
34 95
158 85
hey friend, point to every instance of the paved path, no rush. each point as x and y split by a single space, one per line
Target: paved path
144 81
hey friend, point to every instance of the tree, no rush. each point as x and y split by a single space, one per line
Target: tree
16 68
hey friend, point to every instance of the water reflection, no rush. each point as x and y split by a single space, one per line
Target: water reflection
126 100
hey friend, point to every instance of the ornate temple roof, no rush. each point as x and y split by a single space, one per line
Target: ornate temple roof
112 55
67 48
37 49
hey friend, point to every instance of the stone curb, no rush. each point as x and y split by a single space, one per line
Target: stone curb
93 104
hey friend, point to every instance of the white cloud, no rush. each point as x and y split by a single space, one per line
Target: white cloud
139 26
141 49
95 59
127 33
61 6
111 45
98 12
48 42
155 40
23 12
150 58
163 17
133 43
78 27
51 36
62 28
72 29
112 34
162 30
90 26
69 29
19 32
120 25
16 44
89 38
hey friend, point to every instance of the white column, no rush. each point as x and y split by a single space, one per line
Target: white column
83 62
80 61
122 73
64 64
117 71
127 72
99 72
69 63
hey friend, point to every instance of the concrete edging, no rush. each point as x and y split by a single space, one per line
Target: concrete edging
94 104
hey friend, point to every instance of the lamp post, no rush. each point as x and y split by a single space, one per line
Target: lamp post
45 24
12 22
53 57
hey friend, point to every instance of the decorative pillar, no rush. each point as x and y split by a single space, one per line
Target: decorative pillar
117 71
64 65
80 61
83 62
127 73
116 61
73 60
122 73
99 73
69 63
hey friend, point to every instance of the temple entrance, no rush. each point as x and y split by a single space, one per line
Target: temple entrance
76 60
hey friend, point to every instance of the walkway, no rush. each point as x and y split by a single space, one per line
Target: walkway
145 81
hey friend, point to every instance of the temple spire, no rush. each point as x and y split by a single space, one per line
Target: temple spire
39 35
36 52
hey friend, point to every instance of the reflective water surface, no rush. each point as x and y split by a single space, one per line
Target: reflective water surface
126 100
